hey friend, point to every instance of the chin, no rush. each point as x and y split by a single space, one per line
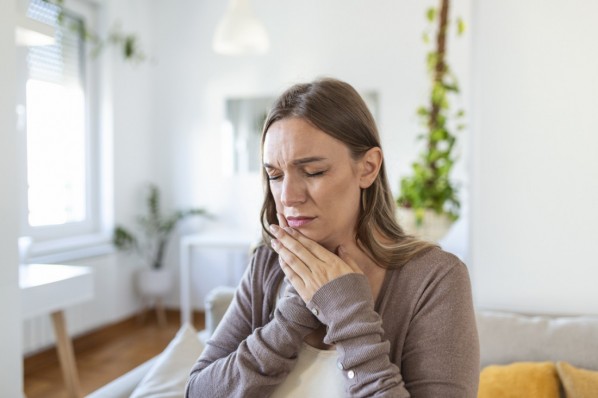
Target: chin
327 241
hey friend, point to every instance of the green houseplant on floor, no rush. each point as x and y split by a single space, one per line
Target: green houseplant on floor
150 240
428 201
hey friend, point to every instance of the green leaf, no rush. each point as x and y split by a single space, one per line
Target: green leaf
423 111
129 47
460 26
432 59
431 14
426 37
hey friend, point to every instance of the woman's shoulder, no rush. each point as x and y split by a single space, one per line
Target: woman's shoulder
431 265
433 273
265 265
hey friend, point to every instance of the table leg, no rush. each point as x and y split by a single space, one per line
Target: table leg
161 313
66 356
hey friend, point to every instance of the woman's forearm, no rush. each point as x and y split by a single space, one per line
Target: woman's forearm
260 362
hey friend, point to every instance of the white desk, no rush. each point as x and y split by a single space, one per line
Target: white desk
226 239
49 289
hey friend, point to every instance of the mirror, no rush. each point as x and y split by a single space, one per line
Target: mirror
243 129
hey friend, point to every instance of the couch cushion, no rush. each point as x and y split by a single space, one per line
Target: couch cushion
578 383
508 337
520 380
124 386
168 375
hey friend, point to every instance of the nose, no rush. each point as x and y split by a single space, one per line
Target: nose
292 192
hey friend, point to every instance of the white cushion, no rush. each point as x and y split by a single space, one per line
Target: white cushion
168 375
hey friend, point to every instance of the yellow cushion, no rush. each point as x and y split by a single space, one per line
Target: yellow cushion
519 380
578 383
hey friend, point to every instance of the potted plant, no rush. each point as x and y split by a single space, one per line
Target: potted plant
156 228
428 201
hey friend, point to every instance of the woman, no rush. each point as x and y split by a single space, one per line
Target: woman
338 301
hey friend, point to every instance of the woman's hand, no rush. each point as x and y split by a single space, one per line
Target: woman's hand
307 265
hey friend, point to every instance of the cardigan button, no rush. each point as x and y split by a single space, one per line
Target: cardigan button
350 374
340 365
315 311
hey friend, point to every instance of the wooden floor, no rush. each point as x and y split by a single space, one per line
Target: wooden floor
103 355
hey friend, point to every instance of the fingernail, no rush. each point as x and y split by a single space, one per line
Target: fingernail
274 228
275 244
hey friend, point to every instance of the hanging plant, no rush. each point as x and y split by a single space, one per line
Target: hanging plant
127 44
429 187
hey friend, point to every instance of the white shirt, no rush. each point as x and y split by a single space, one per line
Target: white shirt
316 374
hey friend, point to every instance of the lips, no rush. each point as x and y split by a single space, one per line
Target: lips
297 222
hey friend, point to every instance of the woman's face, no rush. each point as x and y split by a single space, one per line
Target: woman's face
314 181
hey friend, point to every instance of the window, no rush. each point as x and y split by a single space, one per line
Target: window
58 120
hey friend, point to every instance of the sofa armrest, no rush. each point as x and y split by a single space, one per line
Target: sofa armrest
217 302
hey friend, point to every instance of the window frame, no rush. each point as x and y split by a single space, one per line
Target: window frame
88 237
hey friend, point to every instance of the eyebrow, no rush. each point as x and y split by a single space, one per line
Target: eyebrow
299 162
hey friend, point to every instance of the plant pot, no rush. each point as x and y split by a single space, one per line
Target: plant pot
433 228
154 283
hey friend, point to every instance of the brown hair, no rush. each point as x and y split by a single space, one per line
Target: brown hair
338 110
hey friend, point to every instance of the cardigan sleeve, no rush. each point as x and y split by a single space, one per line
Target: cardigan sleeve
346 306
239 361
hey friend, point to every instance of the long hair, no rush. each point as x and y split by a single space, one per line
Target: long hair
335 108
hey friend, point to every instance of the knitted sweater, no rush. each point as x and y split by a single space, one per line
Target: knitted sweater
419 339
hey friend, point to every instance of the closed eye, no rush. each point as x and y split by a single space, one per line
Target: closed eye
316 174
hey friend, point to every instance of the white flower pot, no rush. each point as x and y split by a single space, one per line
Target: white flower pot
433 228
155 283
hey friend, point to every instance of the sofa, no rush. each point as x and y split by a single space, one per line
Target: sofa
521 356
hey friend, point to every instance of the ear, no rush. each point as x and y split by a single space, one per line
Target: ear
369 167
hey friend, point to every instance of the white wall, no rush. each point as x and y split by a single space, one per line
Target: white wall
535 169
373 45
11 365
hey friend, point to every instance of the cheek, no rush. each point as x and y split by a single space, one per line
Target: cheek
345 198
276 196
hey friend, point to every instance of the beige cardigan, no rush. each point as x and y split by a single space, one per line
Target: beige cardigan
418 340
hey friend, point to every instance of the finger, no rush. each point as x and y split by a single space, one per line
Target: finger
294 279
289 242
315 249
292 260
282 221
342 253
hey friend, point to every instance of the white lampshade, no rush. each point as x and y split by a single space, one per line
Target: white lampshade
239 32
29 32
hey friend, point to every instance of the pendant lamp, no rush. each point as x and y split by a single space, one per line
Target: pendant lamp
239 32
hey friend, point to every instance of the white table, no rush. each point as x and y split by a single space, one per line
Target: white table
225 239
49 289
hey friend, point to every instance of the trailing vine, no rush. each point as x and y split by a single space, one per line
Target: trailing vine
430 186
127 43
